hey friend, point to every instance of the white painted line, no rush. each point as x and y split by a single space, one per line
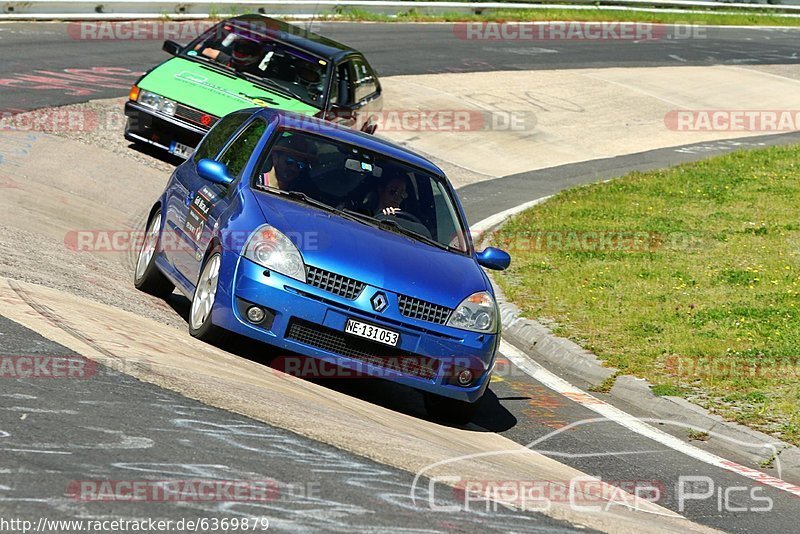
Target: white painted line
612 413
498 218
34 451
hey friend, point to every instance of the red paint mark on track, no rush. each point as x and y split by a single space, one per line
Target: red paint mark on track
74 82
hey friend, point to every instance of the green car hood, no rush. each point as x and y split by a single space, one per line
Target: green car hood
205 89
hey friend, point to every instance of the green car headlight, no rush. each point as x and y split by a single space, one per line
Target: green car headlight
157 102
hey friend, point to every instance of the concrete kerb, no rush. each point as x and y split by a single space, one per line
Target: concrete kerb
535 338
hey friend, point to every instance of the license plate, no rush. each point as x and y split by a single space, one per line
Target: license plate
374 333
179 149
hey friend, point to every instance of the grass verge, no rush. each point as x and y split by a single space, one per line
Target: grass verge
731 17
688 277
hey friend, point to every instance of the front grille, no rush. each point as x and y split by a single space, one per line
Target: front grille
195 116
334 283
362 350
424 311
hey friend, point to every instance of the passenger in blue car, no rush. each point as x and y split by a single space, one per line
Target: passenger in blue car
390 195
389 198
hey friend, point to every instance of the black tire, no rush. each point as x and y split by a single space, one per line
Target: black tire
146 276
205 329
450 410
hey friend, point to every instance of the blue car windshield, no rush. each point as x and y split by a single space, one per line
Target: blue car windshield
258 57
377 187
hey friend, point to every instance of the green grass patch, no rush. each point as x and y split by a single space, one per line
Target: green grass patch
731 16
667 390
697 435
606 385
688 277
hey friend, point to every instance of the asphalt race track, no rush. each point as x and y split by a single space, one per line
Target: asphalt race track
38 50
115 427
330 489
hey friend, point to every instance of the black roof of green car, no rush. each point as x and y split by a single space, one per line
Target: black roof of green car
294 35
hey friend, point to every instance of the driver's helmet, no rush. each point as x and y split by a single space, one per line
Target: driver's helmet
245 53
308 74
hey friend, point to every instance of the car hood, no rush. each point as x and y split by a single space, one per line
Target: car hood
196 85
380 258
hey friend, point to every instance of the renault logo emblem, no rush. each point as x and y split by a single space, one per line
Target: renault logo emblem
379 302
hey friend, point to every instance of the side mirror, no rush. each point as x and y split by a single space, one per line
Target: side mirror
342 108
339 114
171 47
494 258
214 172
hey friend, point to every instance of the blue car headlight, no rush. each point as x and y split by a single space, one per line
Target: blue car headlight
477 313
271 249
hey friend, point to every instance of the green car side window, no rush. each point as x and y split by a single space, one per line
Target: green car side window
218 136
238 154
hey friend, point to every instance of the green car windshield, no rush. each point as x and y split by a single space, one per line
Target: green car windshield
261 59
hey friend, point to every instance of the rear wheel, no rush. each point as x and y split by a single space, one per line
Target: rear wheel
147 277
205 295
450 410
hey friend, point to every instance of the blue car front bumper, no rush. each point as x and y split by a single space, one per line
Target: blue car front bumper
310 321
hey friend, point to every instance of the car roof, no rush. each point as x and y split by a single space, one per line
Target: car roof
294 35
312 125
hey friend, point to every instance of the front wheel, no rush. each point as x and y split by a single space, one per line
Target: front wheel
450 410
205 295
147 277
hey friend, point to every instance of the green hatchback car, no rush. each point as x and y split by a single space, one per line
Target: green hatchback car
244 62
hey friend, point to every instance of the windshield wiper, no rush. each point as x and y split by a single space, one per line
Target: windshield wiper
247 76
391 225
385 224
394 225
271 83
297 195
258 97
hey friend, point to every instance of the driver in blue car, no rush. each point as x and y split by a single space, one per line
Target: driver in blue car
288 167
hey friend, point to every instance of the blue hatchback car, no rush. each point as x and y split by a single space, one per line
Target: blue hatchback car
331 244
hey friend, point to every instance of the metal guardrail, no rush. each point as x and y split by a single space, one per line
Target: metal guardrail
127 9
